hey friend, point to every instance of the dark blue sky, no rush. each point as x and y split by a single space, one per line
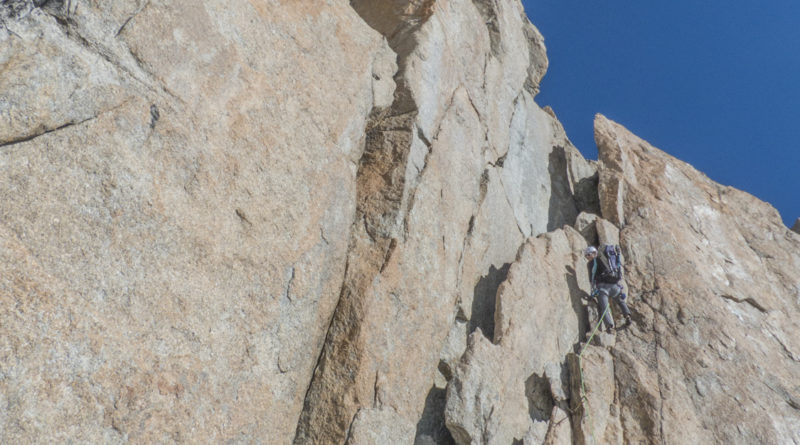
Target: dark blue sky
716 84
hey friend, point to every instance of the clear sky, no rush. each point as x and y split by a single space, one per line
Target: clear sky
714 83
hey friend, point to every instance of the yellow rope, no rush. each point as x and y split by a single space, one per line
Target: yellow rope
580 370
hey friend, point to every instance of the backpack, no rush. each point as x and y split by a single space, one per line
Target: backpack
611 257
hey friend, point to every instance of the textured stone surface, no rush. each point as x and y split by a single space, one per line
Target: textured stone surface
595 414
796 226
713 355
582 173
178 186
586 224
379 426
507 391
559 431
276 222
486 399
456 173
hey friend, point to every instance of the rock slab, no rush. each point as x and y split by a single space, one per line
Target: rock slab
715 280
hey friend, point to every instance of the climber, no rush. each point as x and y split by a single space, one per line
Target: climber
605 274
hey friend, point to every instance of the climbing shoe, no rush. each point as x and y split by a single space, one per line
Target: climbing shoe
610 329
628 320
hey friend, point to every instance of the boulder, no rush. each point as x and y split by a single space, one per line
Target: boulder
585 223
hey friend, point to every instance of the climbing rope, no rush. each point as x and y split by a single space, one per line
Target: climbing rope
580 371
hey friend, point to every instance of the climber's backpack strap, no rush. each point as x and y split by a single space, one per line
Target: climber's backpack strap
612 259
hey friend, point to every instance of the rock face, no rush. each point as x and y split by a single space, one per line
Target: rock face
512 388
455 175
350 223
714 356
796 226
204 202
179 183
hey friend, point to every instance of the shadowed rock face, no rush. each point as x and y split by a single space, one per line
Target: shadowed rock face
350 223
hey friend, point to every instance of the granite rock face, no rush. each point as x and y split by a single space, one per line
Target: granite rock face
511 388
350 223
714 355
178 183
455 175
205 202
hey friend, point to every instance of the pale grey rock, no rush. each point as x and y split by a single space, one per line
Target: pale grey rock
553 372
607 233
524 169
378 427
522 367
585 224
384 67
604 339
581 173
454 346
516 63
559 429
489 251
486 402
14 9
537 56
547 282
64 83
595 419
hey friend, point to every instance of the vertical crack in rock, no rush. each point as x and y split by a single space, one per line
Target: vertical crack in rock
658 372
412 188
561 207
483 190
484 300
488 11
339 386
508 200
